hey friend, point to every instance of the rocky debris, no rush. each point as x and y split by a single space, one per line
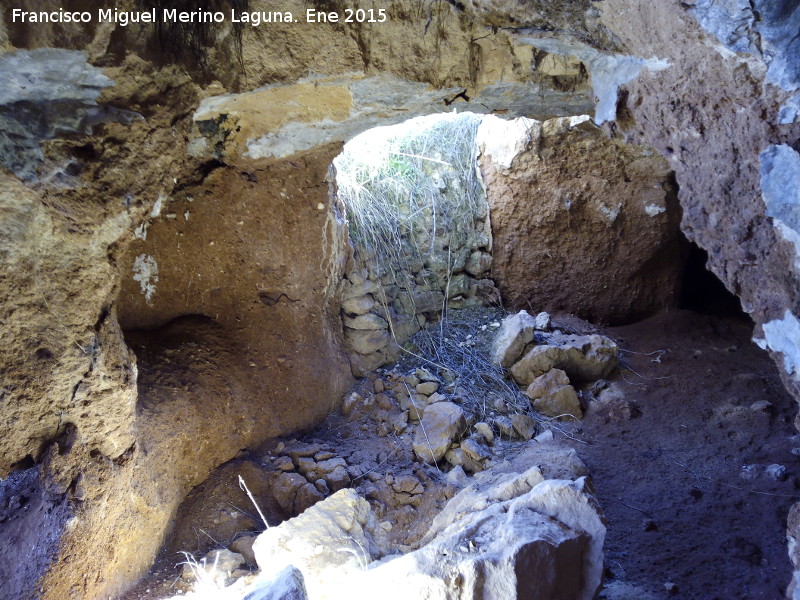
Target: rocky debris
582 357
288 584
328 542
306 474
553 528
553 396
515 333
528 535
441 424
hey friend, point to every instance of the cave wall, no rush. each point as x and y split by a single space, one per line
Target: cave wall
70 245
581 223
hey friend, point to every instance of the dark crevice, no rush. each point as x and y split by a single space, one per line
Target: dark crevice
703 292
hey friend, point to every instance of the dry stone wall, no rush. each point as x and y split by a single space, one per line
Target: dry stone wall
383 306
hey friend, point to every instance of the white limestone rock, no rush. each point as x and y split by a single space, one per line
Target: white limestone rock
515 333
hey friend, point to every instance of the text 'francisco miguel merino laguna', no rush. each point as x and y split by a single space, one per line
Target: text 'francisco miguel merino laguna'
171 15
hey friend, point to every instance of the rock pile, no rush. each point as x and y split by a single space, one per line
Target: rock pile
548 362
507 535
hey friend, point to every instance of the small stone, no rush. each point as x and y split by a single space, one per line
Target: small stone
366 322
324 455
545 436
436 397
671 588
455 456
328 466
475 450
219 564
542 322
478 263
485 431
425 375
301 449
427 387
776 472
440 426
307 496
762 406
506 427
283 463
407 484
524 425
553 396
322 486
244 546
457 477
384 402
379 386
411 380
306 465
285 489
358 306
349 404
366 341
399 421
338 479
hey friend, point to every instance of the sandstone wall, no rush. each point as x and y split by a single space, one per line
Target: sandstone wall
581 223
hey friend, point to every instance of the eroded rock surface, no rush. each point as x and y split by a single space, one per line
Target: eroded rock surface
581 223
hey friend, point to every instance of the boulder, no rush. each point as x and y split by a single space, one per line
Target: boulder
515 333
328 542
553 396
441 424
515 537
582 357
564 237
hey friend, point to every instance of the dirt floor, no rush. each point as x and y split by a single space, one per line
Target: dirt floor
690 448
692 500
